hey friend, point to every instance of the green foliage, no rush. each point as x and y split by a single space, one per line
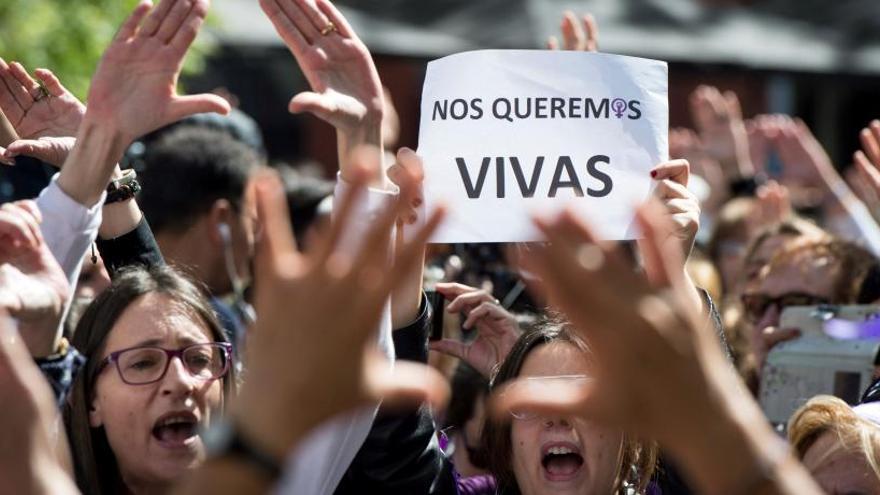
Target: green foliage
66 36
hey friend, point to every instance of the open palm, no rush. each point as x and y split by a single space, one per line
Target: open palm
346 91
135 83
55 114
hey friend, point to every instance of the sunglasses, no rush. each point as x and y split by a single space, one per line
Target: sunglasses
756 305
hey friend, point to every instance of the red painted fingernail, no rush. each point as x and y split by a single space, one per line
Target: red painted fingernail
653 173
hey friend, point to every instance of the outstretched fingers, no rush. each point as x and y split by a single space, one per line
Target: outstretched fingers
544 398
277 246
294 12
153 21
333 15
410 253
406 385
130 27
317 18
27 82
177 16
18 94
51 82
294 39
185 33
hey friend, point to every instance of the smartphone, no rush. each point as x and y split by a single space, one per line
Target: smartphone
438 309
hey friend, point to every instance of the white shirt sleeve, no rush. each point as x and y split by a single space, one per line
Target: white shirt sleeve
68 227
318 464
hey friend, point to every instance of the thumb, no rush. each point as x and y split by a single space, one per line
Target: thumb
449 347
309 102
407 385
184 106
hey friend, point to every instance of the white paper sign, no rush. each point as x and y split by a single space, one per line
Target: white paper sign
506 134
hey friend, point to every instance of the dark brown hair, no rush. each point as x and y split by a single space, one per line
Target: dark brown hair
856 270
95 464
638 459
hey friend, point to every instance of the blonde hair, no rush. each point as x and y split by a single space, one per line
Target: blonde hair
826 414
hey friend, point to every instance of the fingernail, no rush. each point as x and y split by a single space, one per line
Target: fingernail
653 173
412 219
417 202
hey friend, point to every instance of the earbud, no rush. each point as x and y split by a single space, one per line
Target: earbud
225 234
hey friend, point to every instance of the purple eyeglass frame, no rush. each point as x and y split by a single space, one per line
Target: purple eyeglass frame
113 357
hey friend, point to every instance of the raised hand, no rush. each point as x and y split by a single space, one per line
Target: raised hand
577 34
38 108
346 91
406 297
497 328
718 118
658 371
33 288
804 161
682 205
298 297
47 127
867 160
134 87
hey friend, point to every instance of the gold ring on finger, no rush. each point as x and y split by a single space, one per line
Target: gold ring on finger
329 28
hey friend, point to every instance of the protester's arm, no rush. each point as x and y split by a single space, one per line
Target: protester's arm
401 453
661 374
683 221
718 118
32 453
47 128
282 401
346 91
803 155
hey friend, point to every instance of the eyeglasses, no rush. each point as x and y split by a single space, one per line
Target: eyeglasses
755 305
525 415
148 364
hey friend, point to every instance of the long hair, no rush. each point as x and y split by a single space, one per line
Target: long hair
637 459
95 464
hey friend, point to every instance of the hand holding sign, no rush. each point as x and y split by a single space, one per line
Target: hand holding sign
500 143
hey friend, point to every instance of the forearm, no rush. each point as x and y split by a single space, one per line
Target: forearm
406 299
369 135
88 168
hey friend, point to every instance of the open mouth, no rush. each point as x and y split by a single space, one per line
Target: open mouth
176 429
561 461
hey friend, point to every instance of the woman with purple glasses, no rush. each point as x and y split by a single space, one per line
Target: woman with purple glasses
158 371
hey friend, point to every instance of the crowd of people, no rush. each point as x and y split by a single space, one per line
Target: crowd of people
181 314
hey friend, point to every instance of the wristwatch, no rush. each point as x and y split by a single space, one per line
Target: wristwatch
123 188
224 440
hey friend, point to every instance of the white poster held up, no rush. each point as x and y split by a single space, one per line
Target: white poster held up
506 134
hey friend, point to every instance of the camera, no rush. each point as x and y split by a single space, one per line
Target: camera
836 354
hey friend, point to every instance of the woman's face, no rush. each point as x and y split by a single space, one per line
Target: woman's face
561 455
838 470
153 428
